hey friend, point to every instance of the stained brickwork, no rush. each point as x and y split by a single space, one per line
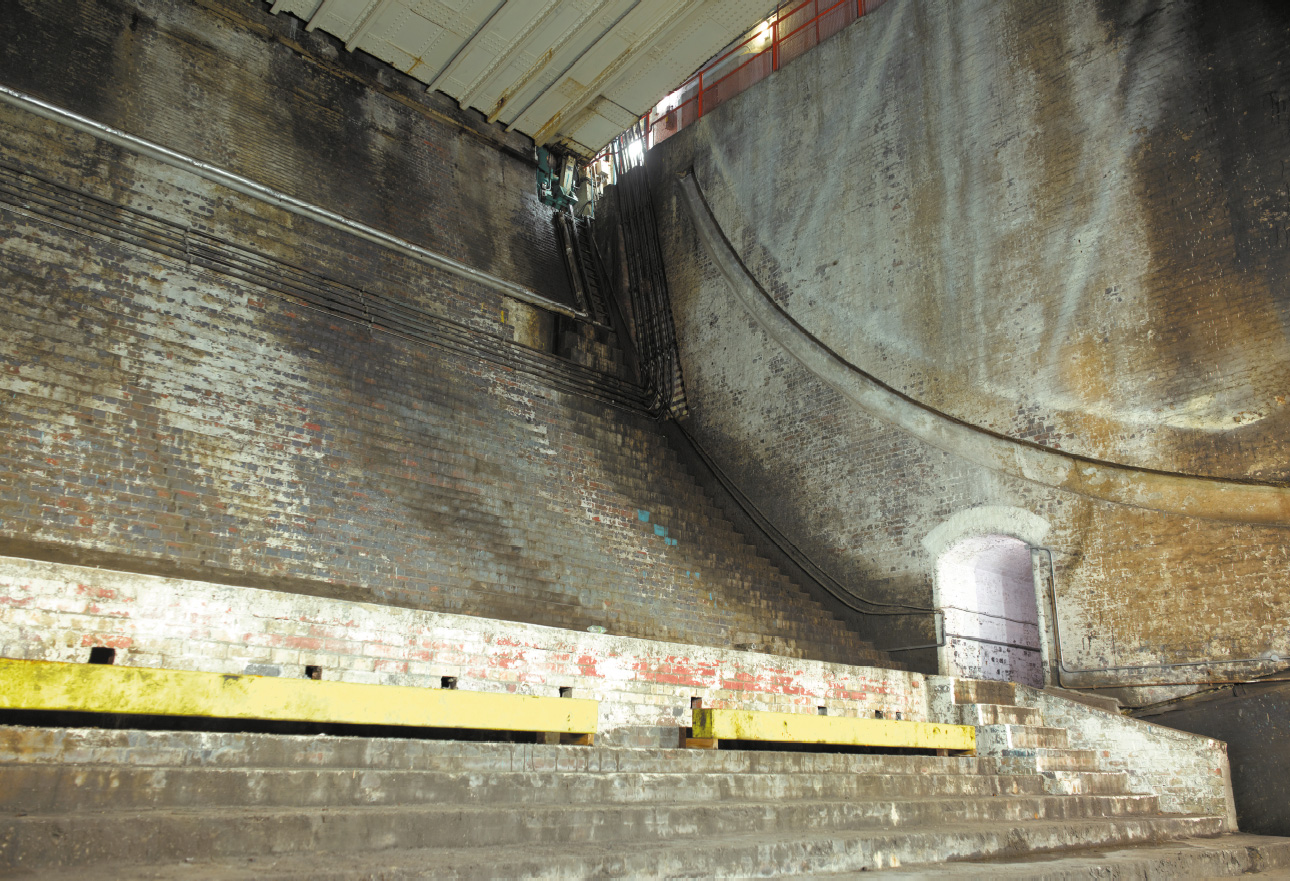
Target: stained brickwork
197 382
225 82
1064 224
56 612
990 233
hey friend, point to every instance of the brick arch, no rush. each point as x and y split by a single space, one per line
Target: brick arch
985 586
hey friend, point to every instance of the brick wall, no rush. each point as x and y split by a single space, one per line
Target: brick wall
57 612
989 234
198 383
228 83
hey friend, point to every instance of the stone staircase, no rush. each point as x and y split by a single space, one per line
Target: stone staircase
1021 743
76 803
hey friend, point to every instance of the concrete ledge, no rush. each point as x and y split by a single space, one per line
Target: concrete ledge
100 688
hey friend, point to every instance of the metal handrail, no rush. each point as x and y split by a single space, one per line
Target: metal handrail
703 91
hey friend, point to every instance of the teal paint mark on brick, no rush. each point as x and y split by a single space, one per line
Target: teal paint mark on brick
642 516
660 530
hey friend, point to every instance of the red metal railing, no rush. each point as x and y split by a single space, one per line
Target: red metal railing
776 42
768 47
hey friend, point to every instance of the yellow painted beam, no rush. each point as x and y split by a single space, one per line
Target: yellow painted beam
838 730
103 688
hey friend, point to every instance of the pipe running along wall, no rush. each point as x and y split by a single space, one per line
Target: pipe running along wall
1217 499
247 187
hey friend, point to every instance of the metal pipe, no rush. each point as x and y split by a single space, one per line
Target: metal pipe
302 286
1009 645
940 630
248 187
1061 667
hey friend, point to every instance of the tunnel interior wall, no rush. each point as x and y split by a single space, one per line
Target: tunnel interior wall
1062 225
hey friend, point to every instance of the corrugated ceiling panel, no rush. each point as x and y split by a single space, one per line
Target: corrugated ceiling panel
632 32
540 47
573 70
340 17
702 34
587 30
492 46
405 41
598 125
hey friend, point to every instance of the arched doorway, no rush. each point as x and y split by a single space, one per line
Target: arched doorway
986 590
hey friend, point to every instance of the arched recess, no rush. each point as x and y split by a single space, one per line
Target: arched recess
985 586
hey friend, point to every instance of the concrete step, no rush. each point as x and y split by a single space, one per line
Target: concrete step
737 855
88 838
999 714
984 691
1223 856
53 789
164 749
1027 760
992 739
1086 782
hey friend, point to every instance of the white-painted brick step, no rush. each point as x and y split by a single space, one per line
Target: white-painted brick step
992 739
999 714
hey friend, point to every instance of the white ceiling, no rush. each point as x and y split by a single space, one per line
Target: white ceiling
569 72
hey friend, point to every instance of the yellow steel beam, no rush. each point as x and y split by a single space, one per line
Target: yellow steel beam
102 688
838 730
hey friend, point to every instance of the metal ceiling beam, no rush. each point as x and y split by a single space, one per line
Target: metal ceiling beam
365 22
665 25
501 62
464 49
560 76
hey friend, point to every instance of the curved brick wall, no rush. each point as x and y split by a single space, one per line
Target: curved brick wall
1058 224
1065 224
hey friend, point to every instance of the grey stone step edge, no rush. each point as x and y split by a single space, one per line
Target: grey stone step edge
133 747
739 856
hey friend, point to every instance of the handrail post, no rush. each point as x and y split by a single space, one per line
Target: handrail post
699 104
774 43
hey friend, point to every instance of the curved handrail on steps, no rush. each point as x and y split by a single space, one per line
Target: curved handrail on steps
1209 498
